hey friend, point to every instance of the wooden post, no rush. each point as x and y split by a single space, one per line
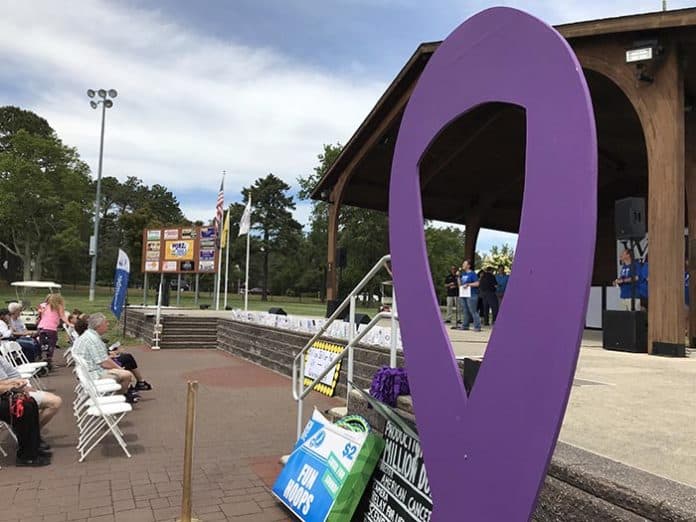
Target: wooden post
471 232
665 143
332 233
186 501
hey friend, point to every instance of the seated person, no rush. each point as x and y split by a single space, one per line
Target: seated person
30 347
72 320
5 330
49 403
91 348
127 362
24 423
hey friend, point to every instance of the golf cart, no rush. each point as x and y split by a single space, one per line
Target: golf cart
27 289
387 300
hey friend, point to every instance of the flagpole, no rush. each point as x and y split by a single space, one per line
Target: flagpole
227 257
246 280
219 242
217 297
246 267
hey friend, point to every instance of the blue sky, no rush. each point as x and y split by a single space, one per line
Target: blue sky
247 86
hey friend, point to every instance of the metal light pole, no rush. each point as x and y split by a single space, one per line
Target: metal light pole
106 103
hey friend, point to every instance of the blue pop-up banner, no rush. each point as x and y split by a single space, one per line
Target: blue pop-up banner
120 283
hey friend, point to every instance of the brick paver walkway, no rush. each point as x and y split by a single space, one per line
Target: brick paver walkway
245 421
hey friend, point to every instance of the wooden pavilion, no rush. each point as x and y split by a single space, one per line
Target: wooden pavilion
645 128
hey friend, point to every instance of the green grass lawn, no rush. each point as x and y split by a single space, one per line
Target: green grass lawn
78 297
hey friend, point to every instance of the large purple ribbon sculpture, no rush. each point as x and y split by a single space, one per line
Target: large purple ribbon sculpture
487 454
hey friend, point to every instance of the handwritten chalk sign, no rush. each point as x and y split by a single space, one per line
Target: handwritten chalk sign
399 489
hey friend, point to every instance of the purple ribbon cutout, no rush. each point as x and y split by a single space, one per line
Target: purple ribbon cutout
487 454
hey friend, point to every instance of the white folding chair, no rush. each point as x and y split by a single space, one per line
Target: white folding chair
12 352
100 418
6 427
104 389
72 337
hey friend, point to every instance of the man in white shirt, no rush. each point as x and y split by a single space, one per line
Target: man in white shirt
92 349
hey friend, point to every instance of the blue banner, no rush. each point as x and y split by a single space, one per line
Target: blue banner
120 283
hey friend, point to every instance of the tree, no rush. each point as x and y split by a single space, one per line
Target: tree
272 217
499 256
44 188
14 119
445 249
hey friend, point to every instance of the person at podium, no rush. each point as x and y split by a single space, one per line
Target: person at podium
628 281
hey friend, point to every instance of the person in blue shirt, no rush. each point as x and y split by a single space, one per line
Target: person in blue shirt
469 280
501 278
628 277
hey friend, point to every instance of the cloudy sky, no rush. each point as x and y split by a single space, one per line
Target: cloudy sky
248 86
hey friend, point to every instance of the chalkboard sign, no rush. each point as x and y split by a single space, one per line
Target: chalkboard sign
399 489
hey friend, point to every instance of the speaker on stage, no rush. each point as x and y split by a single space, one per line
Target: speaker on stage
625 331
471 369
331 305
359 318
669 349
629 218
276 311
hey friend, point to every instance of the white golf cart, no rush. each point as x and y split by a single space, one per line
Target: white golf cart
27 290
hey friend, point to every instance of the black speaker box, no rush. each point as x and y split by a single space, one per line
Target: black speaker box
359 318
331 306
669 349
276 311
471 369
629 218
625 331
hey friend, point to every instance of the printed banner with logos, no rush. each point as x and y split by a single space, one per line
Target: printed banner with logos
120 283
327 471
399 489
319 357
180 250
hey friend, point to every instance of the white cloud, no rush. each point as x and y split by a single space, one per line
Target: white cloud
189 106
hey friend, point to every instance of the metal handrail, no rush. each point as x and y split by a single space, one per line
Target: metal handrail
299 391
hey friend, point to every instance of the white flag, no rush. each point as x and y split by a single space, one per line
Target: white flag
245 222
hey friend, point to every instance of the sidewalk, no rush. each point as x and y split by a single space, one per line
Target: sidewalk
246 420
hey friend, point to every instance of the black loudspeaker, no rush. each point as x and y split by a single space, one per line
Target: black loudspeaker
359 318
625 331
669 349
276 311
629 218
341 257
331 306
471 369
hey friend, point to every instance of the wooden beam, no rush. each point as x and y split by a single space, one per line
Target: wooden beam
427 177
641 22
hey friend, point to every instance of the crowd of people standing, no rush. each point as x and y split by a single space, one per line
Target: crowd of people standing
474 298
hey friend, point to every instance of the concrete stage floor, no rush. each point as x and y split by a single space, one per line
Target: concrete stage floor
635 408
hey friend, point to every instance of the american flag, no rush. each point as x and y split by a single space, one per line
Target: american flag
218 208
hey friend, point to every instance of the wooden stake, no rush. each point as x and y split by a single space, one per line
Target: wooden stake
188 452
